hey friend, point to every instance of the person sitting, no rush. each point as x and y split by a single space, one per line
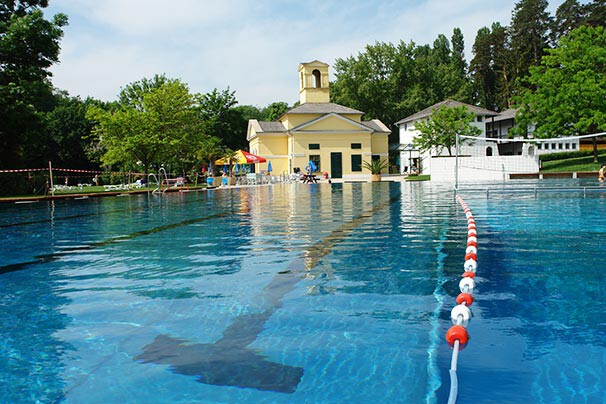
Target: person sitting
602 173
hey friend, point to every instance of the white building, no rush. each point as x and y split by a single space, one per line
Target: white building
487 159
499 126
411 159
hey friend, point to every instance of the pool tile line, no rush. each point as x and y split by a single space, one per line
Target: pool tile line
55 219
45 258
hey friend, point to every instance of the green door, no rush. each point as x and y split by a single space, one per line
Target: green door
336 165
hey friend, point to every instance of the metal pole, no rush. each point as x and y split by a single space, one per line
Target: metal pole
50 174
456 161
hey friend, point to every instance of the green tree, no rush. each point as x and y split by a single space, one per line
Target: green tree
274 111
247 112
132 94
163 128
389 81
67 130
221 119
566 94
367 82
209 150
29 45
441 129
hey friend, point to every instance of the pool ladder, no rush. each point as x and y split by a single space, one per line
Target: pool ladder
158 180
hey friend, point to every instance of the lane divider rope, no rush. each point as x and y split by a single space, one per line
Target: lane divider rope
457 335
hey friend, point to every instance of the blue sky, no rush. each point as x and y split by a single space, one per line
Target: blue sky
252 46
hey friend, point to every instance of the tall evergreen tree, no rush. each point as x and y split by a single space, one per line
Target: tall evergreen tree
528 33
490 68
457 60
504 62
481 69
569 15
595 13
462 87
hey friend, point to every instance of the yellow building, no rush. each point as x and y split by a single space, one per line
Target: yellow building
333 136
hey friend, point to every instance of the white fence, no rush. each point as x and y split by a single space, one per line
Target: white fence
493 168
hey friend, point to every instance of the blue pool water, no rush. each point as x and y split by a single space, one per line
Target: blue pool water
302 294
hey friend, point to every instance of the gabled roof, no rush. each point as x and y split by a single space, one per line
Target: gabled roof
315 63
377 126
322 108
272 126
362 126
257 127
449 104
507 114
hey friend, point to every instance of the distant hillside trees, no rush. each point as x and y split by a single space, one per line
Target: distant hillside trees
389 81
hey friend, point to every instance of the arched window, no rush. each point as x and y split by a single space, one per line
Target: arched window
531 151
489 151
317 78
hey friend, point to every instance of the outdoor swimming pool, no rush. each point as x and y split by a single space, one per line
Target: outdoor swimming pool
301 293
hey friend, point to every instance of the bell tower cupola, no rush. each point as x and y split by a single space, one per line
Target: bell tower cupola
313 82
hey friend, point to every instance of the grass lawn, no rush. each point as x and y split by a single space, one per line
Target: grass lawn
576 164
413 177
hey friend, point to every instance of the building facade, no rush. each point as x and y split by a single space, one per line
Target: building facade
333 136
411 158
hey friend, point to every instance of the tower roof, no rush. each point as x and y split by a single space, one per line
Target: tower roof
315 63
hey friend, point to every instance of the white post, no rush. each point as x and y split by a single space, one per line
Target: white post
50 174
456 162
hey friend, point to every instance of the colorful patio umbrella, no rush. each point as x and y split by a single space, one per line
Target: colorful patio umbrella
237 168
242 157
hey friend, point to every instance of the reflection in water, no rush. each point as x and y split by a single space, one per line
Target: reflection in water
213 286
228 361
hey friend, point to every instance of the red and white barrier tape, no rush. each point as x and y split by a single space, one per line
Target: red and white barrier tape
67 170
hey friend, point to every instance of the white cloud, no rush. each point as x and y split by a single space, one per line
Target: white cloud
157 17
253 47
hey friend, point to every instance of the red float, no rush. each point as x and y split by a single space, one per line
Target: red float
468 274
457 332
465 297
472 243
471 256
